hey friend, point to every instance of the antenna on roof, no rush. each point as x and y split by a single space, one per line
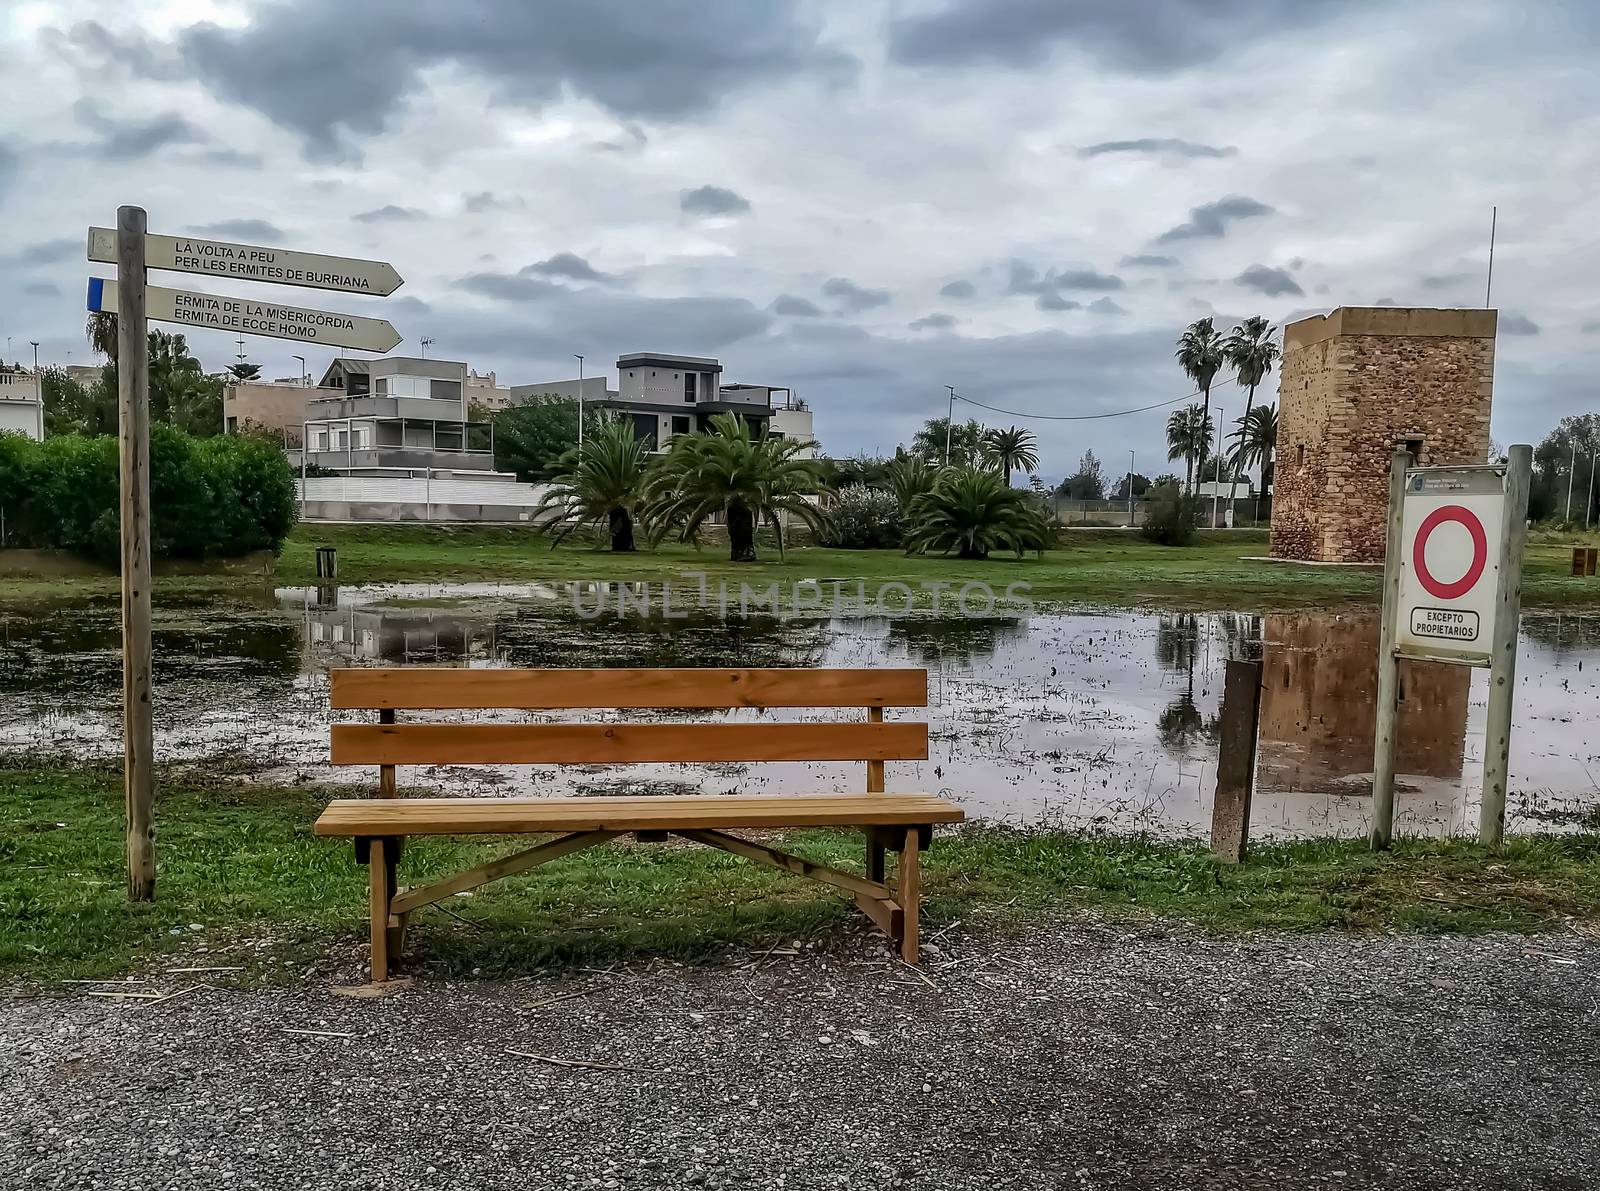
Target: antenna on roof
1488 285
426 342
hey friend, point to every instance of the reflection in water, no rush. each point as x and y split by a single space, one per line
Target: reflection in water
1083 718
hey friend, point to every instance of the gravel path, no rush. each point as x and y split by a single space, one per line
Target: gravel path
1081 1056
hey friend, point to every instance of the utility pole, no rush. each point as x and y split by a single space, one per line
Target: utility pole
1384 738
1590 503
1216 455
1130 489
1571 470
949 422
133 399
35 344
580 403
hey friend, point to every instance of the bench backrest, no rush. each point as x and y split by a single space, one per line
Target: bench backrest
428 688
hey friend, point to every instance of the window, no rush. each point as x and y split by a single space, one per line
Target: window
233 425
1414 446
680 423
1300 455
383 386
445 390
688 386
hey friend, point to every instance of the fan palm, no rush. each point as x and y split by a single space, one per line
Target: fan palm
600 482
101 330
1200 355
1189 439
969 512
1252 351
909 475
728 470
1011 450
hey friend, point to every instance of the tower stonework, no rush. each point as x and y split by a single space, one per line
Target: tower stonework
1352 386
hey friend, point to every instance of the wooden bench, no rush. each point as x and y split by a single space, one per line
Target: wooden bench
899 823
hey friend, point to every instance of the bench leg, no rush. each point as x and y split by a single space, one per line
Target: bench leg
908 892
379 874
875 855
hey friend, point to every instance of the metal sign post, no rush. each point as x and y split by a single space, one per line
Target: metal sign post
1452 593
134 251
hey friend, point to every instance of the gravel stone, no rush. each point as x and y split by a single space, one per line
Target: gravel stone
1082 1055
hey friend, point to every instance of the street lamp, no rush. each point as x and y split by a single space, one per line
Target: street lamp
35 344
302 360
580 403
1130 489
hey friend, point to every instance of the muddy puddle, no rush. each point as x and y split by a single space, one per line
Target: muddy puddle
1075 718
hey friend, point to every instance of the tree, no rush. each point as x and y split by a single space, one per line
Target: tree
1199 354
1189 439
859 469
1012 449
71 407
969 512
1171 516
1088 482
965 438
530 438
100 328
1141 485
602 482
181 393
1257 441
727 470
1252 352
909 476
242 371
1564 462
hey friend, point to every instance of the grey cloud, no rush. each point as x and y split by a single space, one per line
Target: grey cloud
477 204
960 290
508 287
1386 302
796 307
1212 219
1153 37
569 265
1158 146
1147 260
1266 280
1050 300
1105 306
1517 324
42 289
1592 327
46 252
712 200
853 296
244 229
129 140
1447 280
1086 279
9 167
1025 279
390 213
336 71
933 322
633 137
232 157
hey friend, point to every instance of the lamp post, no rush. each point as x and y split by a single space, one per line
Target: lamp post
35 344
580 403
303 374
1130 489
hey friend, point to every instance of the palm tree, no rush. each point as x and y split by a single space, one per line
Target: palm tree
1257 440
728 470
1200 355
969 512
101 330
1011 450
1252 351
602 482
909 476
1189 439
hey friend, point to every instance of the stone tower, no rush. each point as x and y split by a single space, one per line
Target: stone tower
1353 385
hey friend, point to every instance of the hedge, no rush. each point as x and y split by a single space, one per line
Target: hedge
221 496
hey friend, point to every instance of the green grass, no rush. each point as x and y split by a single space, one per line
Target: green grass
241 862
1092 567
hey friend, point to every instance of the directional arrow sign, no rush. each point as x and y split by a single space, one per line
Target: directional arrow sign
253 316
250 262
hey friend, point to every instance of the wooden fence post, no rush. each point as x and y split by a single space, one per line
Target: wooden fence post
1236 760
1384 737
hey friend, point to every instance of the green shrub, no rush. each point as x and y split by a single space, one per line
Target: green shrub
862 518
221 496
1171 517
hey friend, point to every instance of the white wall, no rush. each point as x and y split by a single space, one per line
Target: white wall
21 407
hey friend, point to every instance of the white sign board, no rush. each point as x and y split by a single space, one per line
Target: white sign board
1450 548
253 262
254 316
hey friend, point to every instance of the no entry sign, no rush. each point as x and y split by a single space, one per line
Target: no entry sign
1450 562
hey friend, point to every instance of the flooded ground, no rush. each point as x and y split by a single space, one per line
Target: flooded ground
1088 718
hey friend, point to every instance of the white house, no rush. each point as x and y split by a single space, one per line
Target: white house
22 404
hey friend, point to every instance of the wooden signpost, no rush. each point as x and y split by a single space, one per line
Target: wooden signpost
133 250
1452 592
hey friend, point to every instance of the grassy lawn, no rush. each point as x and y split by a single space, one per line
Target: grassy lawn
1092 567
241 864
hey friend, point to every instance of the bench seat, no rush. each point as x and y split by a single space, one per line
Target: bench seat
471 816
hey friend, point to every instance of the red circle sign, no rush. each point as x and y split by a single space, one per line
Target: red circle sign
1480 552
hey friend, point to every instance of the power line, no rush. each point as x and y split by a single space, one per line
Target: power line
1118 413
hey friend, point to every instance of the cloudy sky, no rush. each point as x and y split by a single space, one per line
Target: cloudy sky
866 200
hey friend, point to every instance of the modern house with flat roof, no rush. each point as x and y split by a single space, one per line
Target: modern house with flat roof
22 404
664 395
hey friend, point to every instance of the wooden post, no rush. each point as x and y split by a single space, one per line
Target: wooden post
1503 648
133 423
1236 760
1383 751
908 892
378 908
